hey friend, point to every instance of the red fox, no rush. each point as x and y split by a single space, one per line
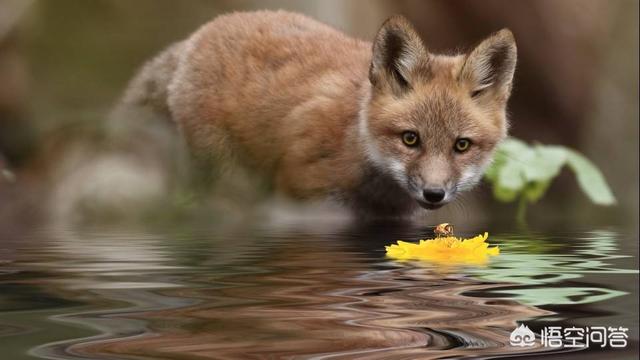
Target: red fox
384 128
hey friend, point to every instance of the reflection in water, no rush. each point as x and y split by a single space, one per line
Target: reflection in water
279 294
552 262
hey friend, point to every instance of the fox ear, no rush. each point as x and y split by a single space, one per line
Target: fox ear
398 56
490 66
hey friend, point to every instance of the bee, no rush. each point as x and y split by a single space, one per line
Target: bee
444 229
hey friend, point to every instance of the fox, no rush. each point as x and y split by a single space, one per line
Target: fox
383 128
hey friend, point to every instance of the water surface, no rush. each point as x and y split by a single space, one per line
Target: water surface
290 292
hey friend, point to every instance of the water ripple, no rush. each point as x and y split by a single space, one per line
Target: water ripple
276 295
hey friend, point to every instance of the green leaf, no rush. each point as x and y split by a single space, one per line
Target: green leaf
545 163
514 146
520 171
503 194
590 179
535 190
511 176
499 159
504 154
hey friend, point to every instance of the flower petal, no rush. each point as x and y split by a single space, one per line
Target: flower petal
445 250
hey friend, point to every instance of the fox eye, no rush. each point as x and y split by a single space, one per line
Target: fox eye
475 93
462 145
410 138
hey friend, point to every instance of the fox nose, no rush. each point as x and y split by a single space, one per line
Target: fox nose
433 195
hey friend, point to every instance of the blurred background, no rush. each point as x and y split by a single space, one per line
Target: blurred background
64 63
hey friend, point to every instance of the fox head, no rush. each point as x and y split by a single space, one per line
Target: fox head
430 121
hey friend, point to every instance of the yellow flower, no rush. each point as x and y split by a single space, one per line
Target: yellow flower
445 250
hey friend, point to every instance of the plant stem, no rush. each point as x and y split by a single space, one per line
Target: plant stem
521 213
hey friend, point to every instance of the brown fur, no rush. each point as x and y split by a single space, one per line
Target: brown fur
283 95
